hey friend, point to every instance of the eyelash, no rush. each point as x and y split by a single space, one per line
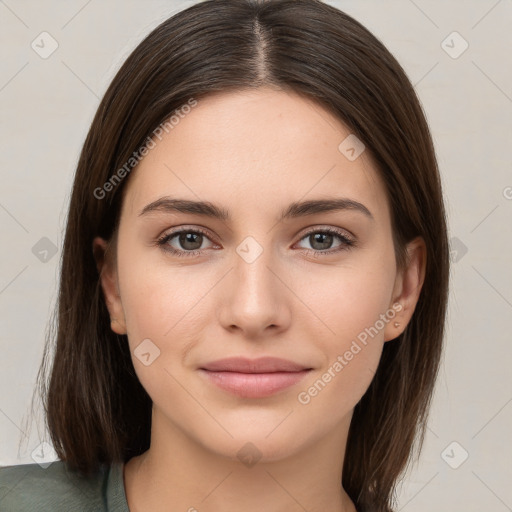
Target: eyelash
347 243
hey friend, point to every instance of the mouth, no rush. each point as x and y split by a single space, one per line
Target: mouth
256 378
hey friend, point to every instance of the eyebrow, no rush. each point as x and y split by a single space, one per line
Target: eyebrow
294 210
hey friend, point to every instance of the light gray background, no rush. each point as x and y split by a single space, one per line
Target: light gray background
47 106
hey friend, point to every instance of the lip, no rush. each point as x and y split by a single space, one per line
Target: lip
254 378
260 365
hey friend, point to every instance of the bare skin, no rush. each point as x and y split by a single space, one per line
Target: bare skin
254 153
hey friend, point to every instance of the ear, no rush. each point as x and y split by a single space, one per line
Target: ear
109 283
406 291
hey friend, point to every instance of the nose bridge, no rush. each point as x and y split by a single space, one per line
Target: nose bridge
254 280
254 297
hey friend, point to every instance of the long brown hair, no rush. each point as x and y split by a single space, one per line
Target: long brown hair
97 412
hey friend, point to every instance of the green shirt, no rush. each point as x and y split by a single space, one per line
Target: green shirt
31 488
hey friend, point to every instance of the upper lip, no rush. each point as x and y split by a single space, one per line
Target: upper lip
260 365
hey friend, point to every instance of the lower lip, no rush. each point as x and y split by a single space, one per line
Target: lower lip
254 385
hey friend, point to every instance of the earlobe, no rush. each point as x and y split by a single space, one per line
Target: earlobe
108 278
408 287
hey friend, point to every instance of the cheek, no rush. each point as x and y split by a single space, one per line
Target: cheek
159 306
157 296
353 304
331 394
349 299
164 304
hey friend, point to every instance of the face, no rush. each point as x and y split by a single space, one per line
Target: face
315 287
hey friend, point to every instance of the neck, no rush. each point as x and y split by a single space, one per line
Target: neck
178 472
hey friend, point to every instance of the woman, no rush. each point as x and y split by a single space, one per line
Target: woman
254 275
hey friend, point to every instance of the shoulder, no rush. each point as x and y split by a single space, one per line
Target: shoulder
29 487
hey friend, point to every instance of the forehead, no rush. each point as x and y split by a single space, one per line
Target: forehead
255 151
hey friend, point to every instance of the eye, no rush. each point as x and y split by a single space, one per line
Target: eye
188 240
321 241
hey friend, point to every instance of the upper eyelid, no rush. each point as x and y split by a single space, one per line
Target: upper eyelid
177 231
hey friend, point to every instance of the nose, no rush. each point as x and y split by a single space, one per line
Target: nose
254 297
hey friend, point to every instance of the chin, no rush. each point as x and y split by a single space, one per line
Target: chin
256 442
